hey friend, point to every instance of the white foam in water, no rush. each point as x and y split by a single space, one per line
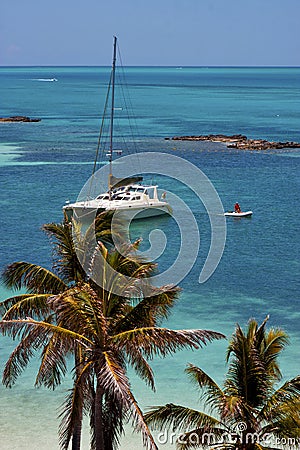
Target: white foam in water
43 163
8 152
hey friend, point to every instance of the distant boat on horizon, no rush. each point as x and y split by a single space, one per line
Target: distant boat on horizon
49 80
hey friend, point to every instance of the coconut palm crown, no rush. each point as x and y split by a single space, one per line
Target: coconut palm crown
250 412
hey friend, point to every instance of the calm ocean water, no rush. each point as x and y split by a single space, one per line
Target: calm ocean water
44 164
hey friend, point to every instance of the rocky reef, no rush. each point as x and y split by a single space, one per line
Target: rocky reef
238 141
18 119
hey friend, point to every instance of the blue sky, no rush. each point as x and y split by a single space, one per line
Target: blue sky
156 32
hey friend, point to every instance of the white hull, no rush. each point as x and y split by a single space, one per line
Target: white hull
236 214
87 212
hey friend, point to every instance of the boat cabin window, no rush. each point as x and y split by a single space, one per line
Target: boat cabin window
150 192
103 197
121 196
137 189
120 189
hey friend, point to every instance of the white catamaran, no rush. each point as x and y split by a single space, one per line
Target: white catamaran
127 195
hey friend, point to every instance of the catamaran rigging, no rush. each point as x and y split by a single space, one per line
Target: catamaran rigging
125 194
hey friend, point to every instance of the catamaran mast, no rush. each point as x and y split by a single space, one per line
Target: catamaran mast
112 112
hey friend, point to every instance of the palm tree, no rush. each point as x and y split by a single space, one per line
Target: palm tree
104 331
251 411
41 283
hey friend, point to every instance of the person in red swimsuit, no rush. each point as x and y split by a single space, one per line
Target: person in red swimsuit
237 208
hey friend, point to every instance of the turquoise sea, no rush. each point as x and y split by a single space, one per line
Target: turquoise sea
46 163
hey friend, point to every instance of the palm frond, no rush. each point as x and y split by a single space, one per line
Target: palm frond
80 310
179 418
213 394
69 416
283 400
142 368
105 277
151 309
101 229
35 305
248 396
21 355
128 263
234 410
113 380
140 424
247 377
125 259
21 327
237 344
163 341
285 428
275 342
34 278
65 252
53 363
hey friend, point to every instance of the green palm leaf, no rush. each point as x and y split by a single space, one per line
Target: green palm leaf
17 362
179 418
151 309
247 377
275 342
140 424
66 261
25 305
213 394
112 379
53 363
283 400
34 278
142 368
163 341
21 328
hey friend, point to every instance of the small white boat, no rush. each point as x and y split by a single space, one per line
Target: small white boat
238 214
49 80
125 195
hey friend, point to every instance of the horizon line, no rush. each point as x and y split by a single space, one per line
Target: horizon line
156 66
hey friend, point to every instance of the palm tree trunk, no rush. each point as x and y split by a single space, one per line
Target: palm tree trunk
76 439
76 436
99 429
